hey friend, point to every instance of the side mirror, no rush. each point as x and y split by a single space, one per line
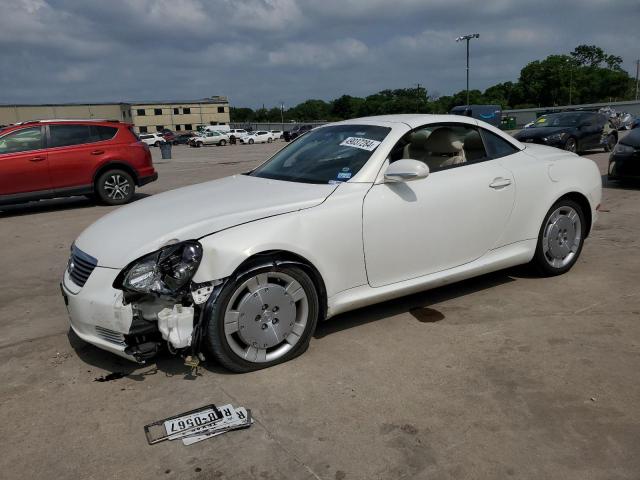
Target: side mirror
406 170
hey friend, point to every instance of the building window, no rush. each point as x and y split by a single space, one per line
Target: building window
159 128
143 129
220 109
157 111
176 111
187 126
141 112
178 128
186 111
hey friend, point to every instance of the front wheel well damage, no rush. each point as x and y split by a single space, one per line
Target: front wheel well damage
284 257
581 200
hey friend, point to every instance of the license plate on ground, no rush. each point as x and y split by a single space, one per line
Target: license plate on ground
174 427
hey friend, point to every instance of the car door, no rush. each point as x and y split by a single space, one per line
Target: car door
591 131
24 161
452 217
75 150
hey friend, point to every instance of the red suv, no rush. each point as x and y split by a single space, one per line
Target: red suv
59 158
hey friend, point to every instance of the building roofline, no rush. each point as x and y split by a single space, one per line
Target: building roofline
212 100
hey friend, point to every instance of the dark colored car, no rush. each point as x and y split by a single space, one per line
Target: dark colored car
168 135
624 161
58 158
182 138
572 131
296 131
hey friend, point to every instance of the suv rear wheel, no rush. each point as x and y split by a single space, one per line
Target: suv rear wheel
115 187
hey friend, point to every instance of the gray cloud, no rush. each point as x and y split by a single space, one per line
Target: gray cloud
267 51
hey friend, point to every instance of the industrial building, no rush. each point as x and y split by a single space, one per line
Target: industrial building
182 115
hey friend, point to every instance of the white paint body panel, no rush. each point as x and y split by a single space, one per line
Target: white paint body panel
369 240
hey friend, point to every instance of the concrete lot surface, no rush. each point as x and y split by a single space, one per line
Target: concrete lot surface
502 376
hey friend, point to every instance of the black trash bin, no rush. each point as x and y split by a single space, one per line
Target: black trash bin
165 150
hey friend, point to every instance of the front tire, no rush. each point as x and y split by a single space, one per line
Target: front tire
263 318
251 141
571 145
157 144
560 239
115 187
222 143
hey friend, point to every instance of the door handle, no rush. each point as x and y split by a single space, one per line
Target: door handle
499 183
97 152
37 159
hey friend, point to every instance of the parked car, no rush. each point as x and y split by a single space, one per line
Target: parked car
152 139
571 131
350 214
261 136
235 134
168 135
47 159
277 134
296 131
624 161
209 138
182 138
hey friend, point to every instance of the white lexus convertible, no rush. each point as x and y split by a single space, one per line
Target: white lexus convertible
350 214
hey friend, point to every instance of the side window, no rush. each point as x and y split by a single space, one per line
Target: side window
103 133
22 140
67 135
441 146
496 146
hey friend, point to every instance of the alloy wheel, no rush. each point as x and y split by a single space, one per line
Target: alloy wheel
562 236
117 187
266 317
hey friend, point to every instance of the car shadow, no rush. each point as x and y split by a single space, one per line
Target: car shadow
628 184
420 305
54 204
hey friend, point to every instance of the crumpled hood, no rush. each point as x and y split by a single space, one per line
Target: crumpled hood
192 212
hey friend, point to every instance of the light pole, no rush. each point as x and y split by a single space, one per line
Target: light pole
467 38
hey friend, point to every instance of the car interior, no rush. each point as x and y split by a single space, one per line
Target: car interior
441 147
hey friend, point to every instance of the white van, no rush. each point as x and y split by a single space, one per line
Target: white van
217 128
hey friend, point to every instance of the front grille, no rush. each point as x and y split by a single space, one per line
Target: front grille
111 336
80 266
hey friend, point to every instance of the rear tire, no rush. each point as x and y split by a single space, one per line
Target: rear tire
263 318
115 187
560 239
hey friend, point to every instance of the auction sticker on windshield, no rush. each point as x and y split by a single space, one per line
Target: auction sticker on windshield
361 143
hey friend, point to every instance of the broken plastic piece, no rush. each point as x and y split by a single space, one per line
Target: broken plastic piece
176 325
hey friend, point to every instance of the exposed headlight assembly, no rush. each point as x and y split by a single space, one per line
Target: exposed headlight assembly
624 149
164 272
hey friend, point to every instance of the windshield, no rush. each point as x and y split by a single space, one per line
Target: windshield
559 120
328 155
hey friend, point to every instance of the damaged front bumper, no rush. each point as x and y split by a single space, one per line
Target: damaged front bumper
135 327
97 313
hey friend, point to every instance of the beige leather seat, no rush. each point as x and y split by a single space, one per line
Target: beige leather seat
416 148
473 147
444 149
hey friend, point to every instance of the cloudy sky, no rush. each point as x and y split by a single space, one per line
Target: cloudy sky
267 51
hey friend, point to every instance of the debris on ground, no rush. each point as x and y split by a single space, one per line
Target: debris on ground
199 424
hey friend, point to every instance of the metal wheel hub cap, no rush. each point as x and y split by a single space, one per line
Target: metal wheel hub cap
562 236
266 316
